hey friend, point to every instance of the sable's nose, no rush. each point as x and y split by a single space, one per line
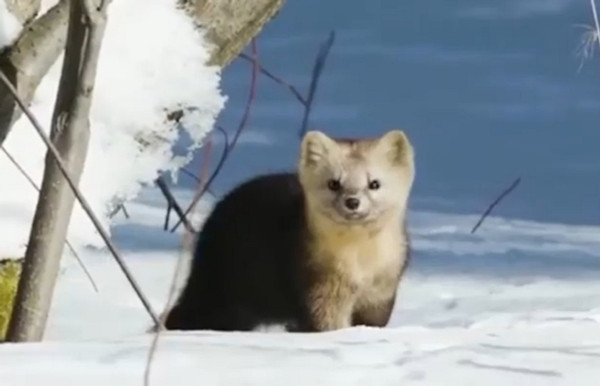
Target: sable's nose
352 203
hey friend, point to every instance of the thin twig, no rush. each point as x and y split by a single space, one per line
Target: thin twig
252 93
19 168
496 202
187 239
195 178
229 146
85 205
316 74
67 243
168 215
173 204
204 172
277 79
590 38
596 22
205 188
170 299
120 207
124 209
190 174
114 212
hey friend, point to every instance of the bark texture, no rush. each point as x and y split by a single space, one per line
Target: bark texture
70 135
231 24
28 60
24 10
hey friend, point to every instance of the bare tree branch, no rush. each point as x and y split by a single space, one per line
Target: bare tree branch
187 242
316 74
277 79
28 60
69 245
231 24
70 134
190 174
172 202
120 207
19 168
502 195
596 22
204 187
229 146
256 67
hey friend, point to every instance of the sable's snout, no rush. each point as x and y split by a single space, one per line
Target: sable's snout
352 203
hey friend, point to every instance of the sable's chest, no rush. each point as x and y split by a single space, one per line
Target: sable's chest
366 262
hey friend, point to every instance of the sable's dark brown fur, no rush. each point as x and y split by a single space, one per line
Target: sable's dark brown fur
249 263
283 249
246 267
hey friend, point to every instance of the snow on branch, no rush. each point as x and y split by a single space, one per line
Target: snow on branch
67 153
306 102
143 73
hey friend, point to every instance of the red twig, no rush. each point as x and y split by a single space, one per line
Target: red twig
251 96
502 195
256 68
205 185
206 162
230 146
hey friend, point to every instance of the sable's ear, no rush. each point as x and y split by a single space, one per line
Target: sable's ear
315 147
397 147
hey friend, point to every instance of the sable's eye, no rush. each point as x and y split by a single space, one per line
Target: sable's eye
334 185
374 185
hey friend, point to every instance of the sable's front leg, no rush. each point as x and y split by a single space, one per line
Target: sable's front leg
330 305
374 314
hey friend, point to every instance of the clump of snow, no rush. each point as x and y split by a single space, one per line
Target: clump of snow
153 60
9 26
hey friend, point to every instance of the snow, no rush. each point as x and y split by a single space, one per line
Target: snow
9 26
518 302
455 322
410 355
142 74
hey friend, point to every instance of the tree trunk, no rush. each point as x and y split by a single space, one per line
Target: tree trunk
231 24
70 135
28 60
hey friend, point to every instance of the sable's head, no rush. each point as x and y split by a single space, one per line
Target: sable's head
356 181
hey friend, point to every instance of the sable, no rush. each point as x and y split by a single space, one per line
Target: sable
299 250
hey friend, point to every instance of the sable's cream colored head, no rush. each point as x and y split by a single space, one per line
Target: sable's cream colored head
357 181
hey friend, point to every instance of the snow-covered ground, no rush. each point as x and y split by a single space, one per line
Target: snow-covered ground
518 302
